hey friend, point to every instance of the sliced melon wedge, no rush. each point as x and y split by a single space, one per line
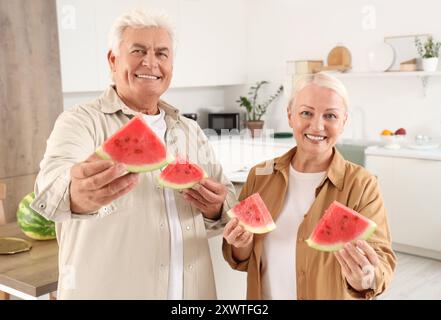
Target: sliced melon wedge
253 215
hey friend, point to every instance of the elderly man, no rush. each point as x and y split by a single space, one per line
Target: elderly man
120 235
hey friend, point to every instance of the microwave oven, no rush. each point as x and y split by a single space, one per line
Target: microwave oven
219 121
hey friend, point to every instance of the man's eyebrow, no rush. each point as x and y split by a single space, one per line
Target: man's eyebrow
141 46
162 49
138 45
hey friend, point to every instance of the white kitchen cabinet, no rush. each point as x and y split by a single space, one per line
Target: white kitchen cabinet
210 41
77 35
410 188
230 284
238 156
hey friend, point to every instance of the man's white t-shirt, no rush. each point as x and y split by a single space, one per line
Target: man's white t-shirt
176 270
279 247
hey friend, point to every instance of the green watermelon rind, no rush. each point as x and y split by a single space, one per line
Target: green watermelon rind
264 229
137 169
33 224
177 186
340 245
38 236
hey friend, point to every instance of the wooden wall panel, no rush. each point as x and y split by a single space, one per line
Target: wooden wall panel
17 188
30 90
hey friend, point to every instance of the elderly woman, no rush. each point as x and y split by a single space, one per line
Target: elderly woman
302 184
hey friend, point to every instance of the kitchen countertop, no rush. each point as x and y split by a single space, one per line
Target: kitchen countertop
29 274
405 152
267 140
239 154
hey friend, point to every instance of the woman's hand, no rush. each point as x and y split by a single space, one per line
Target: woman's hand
240 239
358 264
236 235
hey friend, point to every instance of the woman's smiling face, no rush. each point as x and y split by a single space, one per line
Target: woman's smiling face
317 117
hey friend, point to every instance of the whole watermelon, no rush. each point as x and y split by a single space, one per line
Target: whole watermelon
33 224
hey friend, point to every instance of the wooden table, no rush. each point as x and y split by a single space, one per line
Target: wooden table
30 274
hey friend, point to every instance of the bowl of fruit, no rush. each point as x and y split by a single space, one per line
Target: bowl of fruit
393 139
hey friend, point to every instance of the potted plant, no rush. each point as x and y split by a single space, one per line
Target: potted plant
254 109
429 51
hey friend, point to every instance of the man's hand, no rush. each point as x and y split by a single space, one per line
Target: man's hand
208 196
96 183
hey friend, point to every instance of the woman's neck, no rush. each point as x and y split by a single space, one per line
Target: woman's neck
308 163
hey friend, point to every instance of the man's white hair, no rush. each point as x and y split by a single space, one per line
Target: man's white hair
139 18
322 79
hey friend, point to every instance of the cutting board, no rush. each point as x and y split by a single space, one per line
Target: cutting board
340 56
339 59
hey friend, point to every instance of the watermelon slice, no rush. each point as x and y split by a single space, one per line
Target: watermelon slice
135 145
181 174
253 215
339 225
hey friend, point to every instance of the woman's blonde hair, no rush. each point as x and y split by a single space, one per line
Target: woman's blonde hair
322 79
139 18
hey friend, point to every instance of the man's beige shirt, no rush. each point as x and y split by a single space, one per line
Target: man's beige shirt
122 251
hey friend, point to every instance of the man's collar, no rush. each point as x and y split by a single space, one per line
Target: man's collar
335 172
112 103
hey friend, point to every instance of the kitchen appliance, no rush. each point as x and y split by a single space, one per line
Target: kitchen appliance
192 116
219 121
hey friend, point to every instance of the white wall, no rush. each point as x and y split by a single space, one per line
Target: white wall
284 30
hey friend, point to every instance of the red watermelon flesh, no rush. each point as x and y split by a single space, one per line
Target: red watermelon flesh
181 174
253 215
136 145
339 225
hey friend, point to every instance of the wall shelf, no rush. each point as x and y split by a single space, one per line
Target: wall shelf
423 75
386 74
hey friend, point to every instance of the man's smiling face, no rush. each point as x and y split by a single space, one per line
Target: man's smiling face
144 65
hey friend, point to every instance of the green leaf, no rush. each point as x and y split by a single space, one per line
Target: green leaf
254 109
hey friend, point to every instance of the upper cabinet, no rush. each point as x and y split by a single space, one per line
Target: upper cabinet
210 41
78 51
